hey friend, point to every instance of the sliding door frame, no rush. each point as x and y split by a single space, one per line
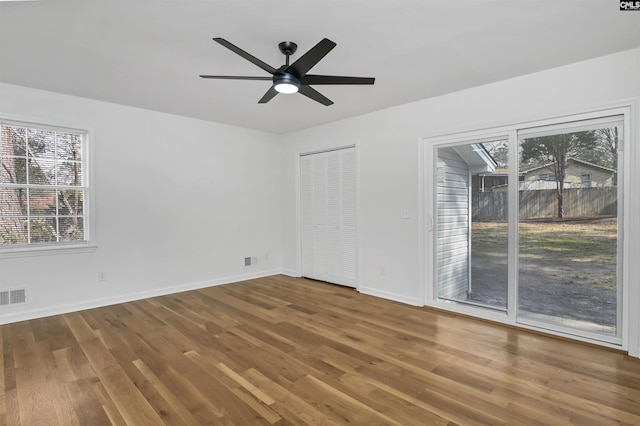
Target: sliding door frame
629 333
430 145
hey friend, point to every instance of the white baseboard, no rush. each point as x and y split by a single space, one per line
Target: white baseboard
414 301
25 315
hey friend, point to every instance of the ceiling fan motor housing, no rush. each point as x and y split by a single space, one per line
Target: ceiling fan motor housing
286 82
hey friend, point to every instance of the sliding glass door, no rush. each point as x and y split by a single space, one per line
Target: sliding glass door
568 226
472 223
527 224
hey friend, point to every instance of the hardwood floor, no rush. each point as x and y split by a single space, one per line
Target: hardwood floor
288 351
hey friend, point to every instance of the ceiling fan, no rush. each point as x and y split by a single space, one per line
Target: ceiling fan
293 78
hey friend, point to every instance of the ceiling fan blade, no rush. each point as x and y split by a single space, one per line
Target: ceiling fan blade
336 79
312 57
312 93
271 93
236 77
268 68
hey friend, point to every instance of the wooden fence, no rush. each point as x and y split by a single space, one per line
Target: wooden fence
580 202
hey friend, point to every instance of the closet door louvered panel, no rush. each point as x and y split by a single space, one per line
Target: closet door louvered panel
328 213
348 210
319 217
334 217
306 214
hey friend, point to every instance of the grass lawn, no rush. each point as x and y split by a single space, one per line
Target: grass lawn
586 249
566 271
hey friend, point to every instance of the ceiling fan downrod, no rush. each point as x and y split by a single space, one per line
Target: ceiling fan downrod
287 48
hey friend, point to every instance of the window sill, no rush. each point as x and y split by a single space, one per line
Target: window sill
47 251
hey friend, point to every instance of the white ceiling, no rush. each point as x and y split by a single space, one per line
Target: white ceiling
149 53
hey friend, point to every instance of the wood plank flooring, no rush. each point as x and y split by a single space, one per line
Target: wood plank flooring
286 351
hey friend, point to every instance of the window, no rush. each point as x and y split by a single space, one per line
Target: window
547 177
585 179
43 186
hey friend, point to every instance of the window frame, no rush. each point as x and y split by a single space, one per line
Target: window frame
88 244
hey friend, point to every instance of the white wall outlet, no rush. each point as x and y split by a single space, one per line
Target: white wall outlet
381 270
404 214
102 276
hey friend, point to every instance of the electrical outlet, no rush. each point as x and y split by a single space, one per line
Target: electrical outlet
381 270
102 276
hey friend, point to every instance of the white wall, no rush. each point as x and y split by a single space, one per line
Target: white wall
179 203
388 144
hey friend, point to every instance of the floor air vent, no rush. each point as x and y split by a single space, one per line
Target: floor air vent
11 297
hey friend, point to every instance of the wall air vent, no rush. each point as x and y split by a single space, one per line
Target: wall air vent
250 261
12 297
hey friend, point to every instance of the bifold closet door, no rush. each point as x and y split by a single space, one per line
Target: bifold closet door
328 213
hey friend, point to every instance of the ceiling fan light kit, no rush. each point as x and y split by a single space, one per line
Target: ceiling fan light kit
292 78
286 84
